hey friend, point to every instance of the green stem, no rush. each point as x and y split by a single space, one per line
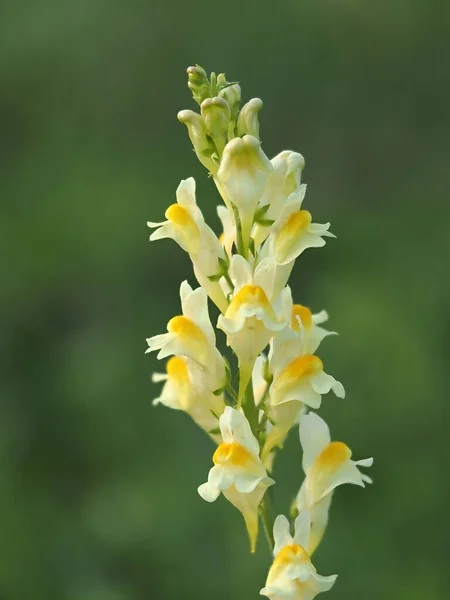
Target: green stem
250 409
266 514
228 280
240 246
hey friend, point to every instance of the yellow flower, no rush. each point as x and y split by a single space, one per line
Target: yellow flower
185 224
291 234
326 465
238 471
189 387
298 376
292 574
250 320
241 178
283 181
191 335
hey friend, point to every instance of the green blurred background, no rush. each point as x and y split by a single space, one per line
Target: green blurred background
98 495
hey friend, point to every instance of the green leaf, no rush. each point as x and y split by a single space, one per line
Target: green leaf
260 212
265 222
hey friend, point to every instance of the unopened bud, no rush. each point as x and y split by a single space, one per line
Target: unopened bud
232 94
248 122
198 134
198 83
197 75
221 81
216 115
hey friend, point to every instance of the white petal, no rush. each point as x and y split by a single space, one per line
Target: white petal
302 529
240 271
235 428
246 483
208 492
265 275
186 192
281 534
158 377
314 437
221 476
157 341
338 389
320 317
347 473
364 462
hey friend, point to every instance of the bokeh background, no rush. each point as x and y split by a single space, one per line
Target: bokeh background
98 495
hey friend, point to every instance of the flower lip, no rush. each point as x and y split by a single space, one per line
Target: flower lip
252 295
176 367
302 366
232 454
304 314
185 328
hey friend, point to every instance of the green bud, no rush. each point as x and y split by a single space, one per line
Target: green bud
221 81
198 83
216 115
198 134
248 122
232 94
197 75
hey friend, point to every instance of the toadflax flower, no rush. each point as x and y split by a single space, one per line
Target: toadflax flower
191 335
292 574
250 321
326 465
238 471
185 224
241 179
298 377
188 387
282 181
291 234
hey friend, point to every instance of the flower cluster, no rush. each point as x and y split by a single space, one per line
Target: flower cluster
274 341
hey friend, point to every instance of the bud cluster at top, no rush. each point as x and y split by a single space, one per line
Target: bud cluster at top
275 341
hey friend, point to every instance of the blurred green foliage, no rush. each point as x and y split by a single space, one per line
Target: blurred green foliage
98 495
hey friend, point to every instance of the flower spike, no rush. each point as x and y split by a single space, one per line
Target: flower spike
274 374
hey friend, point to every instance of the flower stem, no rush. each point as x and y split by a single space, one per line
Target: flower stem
266 514
250 409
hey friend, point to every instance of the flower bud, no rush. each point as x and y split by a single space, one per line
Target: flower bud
232 94
198 83
248 122
197 75
221 81
216 115
198 134
243 174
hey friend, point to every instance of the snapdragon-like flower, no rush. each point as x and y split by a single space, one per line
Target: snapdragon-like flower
299 379
250 320
298 376
238 471
241 179
291 234
292 574
185 224
282 181
189 387
191 335
326 465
